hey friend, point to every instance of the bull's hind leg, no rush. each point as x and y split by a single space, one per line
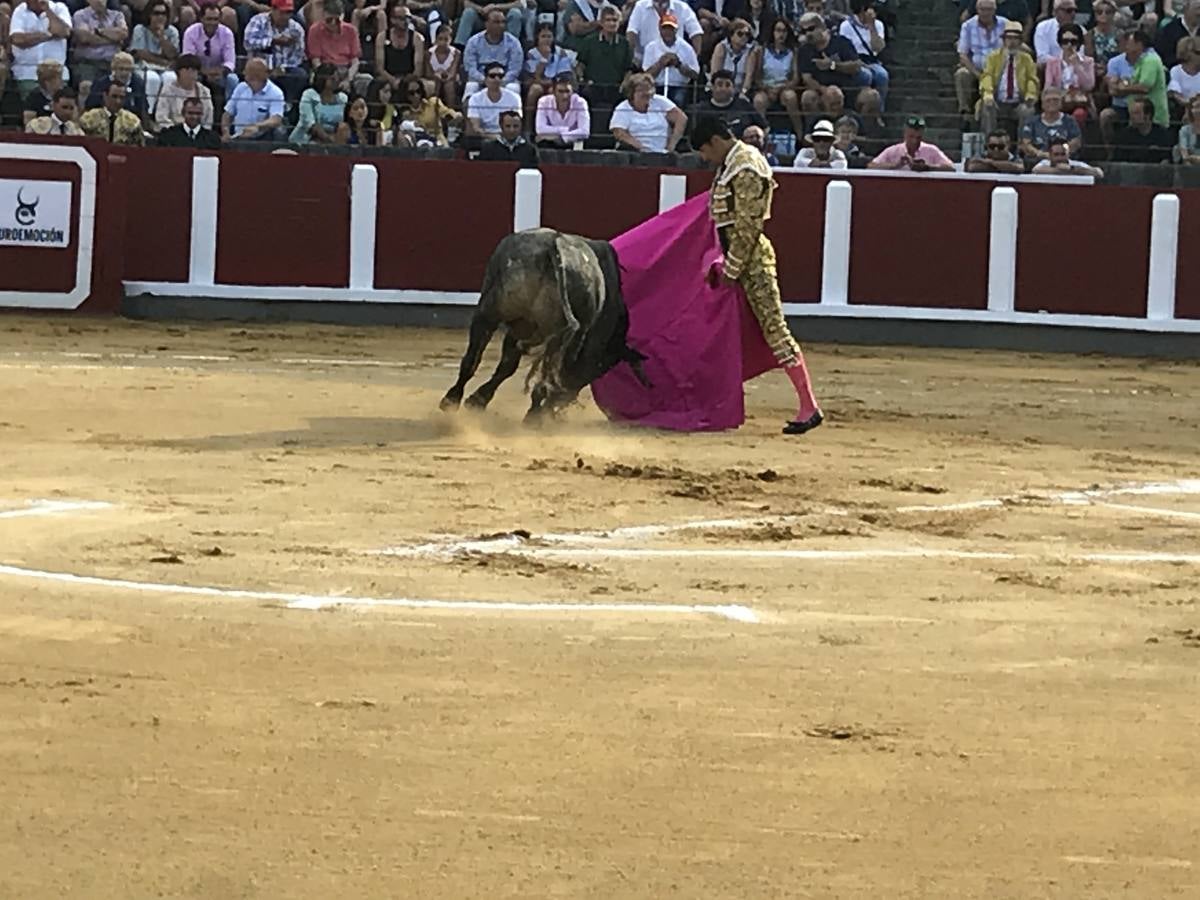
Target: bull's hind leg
510 360
482 330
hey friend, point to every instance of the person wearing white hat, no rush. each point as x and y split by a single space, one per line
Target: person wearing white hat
820 154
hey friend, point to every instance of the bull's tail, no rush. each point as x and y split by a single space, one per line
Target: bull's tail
562 347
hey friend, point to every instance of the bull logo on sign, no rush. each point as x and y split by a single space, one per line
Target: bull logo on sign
26 211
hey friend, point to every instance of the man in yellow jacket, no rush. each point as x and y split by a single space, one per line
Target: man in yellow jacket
112 121
1008 84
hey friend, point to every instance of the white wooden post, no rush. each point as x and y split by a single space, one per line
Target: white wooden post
1164 256
202 258
527 200
672 191
835 256
364 204
1002 251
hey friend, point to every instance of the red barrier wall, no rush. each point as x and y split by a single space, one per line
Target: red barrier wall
1084 250
284 220
438 222
158 215
1187 273
920 243
598 201
42 268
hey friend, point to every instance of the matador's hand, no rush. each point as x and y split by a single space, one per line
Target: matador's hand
716 274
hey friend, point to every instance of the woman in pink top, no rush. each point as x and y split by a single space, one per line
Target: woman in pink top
1074 72
562 116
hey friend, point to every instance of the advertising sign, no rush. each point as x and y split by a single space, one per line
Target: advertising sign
35 213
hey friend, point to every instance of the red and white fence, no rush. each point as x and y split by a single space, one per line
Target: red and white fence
860 245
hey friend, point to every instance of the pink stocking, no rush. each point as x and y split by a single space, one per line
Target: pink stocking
798 373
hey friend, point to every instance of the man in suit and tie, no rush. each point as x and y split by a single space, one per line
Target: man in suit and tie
113 121
62 116
190 133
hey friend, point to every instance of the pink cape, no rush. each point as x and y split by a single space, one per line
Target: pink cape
702 341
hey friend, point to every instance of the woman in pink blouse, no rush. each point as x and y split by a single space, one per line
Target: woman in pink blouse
562 116
1075 73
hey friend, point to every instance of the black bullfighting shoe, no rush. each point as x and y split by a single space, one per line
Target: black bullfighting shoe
797 427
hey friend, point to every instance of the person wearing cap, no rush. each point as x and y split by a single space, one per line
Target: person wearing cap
642 28
740 205
913 153
820 154
278 39
1008 85
672 63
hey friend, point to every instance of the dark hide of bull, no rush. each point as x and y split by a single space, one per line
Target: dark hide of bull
559 298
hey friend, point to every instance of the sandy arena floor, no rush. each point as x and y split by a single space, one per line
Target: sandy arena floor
946 646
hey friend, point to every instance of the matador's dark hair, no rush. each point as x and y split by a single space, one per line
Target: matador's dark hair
708 128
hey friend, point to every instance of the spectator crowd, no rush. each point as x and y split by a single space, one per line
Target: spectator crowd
802 79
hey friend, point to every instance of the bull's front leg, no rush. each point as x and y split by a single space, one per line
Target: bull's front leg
537 405
510 361
482 330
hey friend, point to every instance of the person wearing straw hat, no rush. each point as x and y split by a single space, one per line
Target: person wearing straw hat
820 154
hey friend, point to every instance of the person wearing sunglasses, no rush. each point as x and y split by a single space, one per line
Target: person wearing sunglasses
737 54
1075 73
428 114
213 44
997 156
1045 36
155 46
717 18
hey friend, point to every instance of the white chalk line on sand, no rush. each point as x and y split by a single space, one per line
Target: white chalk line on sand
35 359
519 548
1183 486
734 612
584 545
51 507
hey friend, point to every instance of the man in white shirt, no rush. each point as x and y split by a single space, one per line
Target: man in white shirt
38 31
1045 36
647 122
821 154
1060 163
484 107
672 63
643 24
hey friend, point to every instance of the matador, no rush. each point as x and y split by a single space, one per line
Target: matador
740 203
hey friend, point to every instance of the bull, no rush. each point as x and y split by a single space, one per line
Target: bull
559 299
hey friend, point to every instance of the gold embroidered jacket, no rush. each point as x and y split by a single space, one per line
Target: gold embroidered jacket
126 128
740 203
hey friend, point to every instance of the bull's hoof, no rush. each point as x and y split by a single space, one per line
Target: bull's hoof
477 403
450 403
